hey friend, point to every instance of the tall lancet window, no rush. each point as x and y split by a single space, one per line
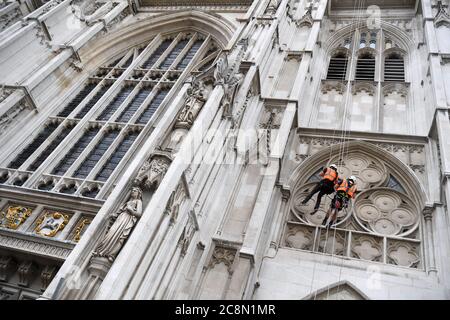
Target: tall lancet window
365 67
83 146
394 67
337 69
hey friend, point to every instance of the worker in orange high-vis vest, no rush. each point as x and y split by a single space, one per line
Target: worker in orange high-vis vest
345 190
325 186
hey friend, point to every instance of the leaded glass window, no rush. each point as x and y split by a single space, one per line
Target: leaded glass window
89 136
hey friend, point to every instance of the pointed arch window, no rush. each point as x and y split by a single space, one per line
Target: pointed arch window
112 162
365 67
34 145
73 154
97 152
108 115
394 67
337 69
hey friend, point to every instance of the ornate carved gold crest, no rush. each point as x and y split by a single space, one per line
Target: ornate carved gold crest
79 230
14 216
50 223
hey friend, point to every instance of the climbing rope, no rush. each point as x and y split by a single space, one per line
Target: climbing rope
343 150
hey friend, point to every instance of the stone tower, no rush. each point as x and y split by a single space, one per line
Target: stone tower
155 149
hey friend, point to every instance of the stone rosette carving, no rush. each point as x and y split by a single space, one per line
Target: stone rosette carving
123 222
382 211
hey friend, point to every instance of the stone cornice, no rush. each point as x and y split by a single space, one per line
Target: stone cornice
367 136
50 199
35 245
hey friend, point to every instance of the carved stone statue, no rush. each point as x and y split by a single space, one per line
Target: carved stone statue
197 95
230 90
124 220
220 72
152 172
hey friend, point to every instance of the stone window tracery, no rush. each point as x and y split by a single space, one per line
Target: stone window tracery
382 224
102 121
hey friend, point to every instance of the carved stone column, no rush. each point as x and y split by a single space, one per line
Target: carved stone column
279 220
428 217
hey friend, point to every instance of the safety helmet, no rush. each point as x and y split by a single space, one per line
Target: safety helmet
352 178
333 166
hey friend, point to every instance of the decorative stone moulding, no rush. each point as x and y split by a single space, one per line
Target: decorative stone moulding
392 88
222 255
363 86
50 223
442 18
337 85
368 51
340 51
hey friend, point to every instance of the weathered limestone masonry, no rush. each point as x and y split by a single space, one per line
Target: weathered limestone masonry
158 149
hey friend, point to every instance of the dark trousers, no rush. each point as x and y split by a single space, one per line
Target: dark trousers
323 187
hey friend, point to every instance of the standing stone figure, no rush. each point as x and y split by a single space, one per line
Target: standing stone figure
221 70
124 220
194 103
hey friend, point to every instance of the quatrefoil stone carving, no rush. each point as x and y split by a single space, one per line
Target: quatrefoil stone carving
386 211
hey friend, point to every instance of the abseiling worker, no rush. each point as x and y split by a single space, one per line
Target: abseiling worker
345 190
325 186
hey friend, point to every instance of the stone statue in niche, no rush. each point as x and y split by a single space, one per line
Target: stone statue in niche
197 96
152 172
221 70
124 221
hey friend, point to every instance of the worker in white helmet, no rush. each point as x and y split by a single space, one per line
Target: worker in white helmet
345 190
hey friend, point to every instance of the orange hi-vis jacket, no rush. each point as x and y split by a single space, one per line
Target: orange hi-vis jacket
343 186
329 174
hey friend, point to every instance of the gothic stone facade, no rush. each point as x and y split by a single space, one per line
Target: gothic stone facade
156 149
